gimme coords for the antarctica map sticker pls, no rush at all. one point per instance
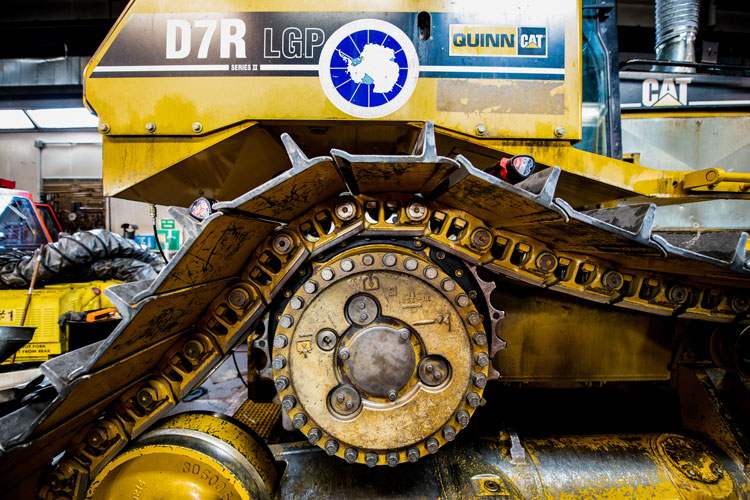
(368, 68)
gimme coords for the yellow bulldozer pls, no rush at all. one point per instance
(445, 297)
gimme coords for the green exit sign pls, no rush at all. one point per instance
(167, 223)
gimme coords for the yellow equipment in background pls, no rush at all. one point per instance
(394, 180)
(47, 304)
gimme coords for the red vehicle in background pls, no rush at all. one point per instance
(24, 225)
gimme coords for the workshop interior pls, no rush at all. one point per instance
(423, 249)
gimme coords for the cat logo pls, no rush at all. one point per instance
(532, 41)
(494, 41)
(668, 93)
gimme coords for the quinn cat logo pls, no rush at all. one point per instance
(497, 41)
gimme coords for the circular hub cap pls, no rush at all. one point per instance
(381, 357)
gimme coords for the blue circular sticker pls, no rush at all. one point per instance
(368, 68)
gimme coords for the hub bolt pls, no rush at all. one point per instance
(462, 417)
(238, 298)
(480, 339)
(432, 445)
(288, 402)
(430, 272)
(286, 321)
(411, 264)
(481, 238)
(412, 454)
(278, 362)
(449, 433)
(331, 447)
(463, 300)
(448, 285)
(429, 368)
(351, 455)
(473, 318)
(371, 459)
(280, 341)
(368, 260)
(313, 436)
(327, 339)
(311, 287)
(392, 395)
(480, 380)
(344, 354)
(473, 399)
(391, 459)
(416, 211)
(299, 421)
(282, 244)
(345, 210)
(347, 265)
(297, 303)
(327, 274)
(482, 359)
(405, 335)
(389, 259)
(281, 383)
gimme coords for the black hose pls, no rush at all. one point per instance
(158, 244)
(239, 373)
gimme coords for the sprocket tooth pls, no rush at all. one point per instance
(495, 342)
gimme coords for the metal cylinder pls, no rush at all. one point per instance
(676, 32)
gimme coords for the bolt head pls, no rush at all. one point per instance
(345, 210)
(197, 127)
(347, 265)
(432, 445)
(463, 300)
(310, 287)
(482, 359)
(389, 259)
(473, 399)
(146, 396)
(350, 455)
(371, 459)
(404, 335)
(416, 211)
(480, 339)
(96, 437)
(326, 340)
(481, 238)
(280, 341)
(463, 418)
(480, 380)
(278, 362)
(327, 274)
(281, 383)
(449, 433)
(430, 272)
(299, 421)
(546, 262)
(411, 264)
(481, 129)
(286, 321)
(340, 398)
(104, 128)
(448, 285)
(678, 294)
(313, 436)
(151, 127)
(193, 350)
(368, 260)
(297, 303)
(559, 131)
(473, 318)
(238, 298)
(283, 243)
(613, 280)
(331, 447)
(344, 354)
(288, 402)
(392, 395)
(392, 459)
(412, 454)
